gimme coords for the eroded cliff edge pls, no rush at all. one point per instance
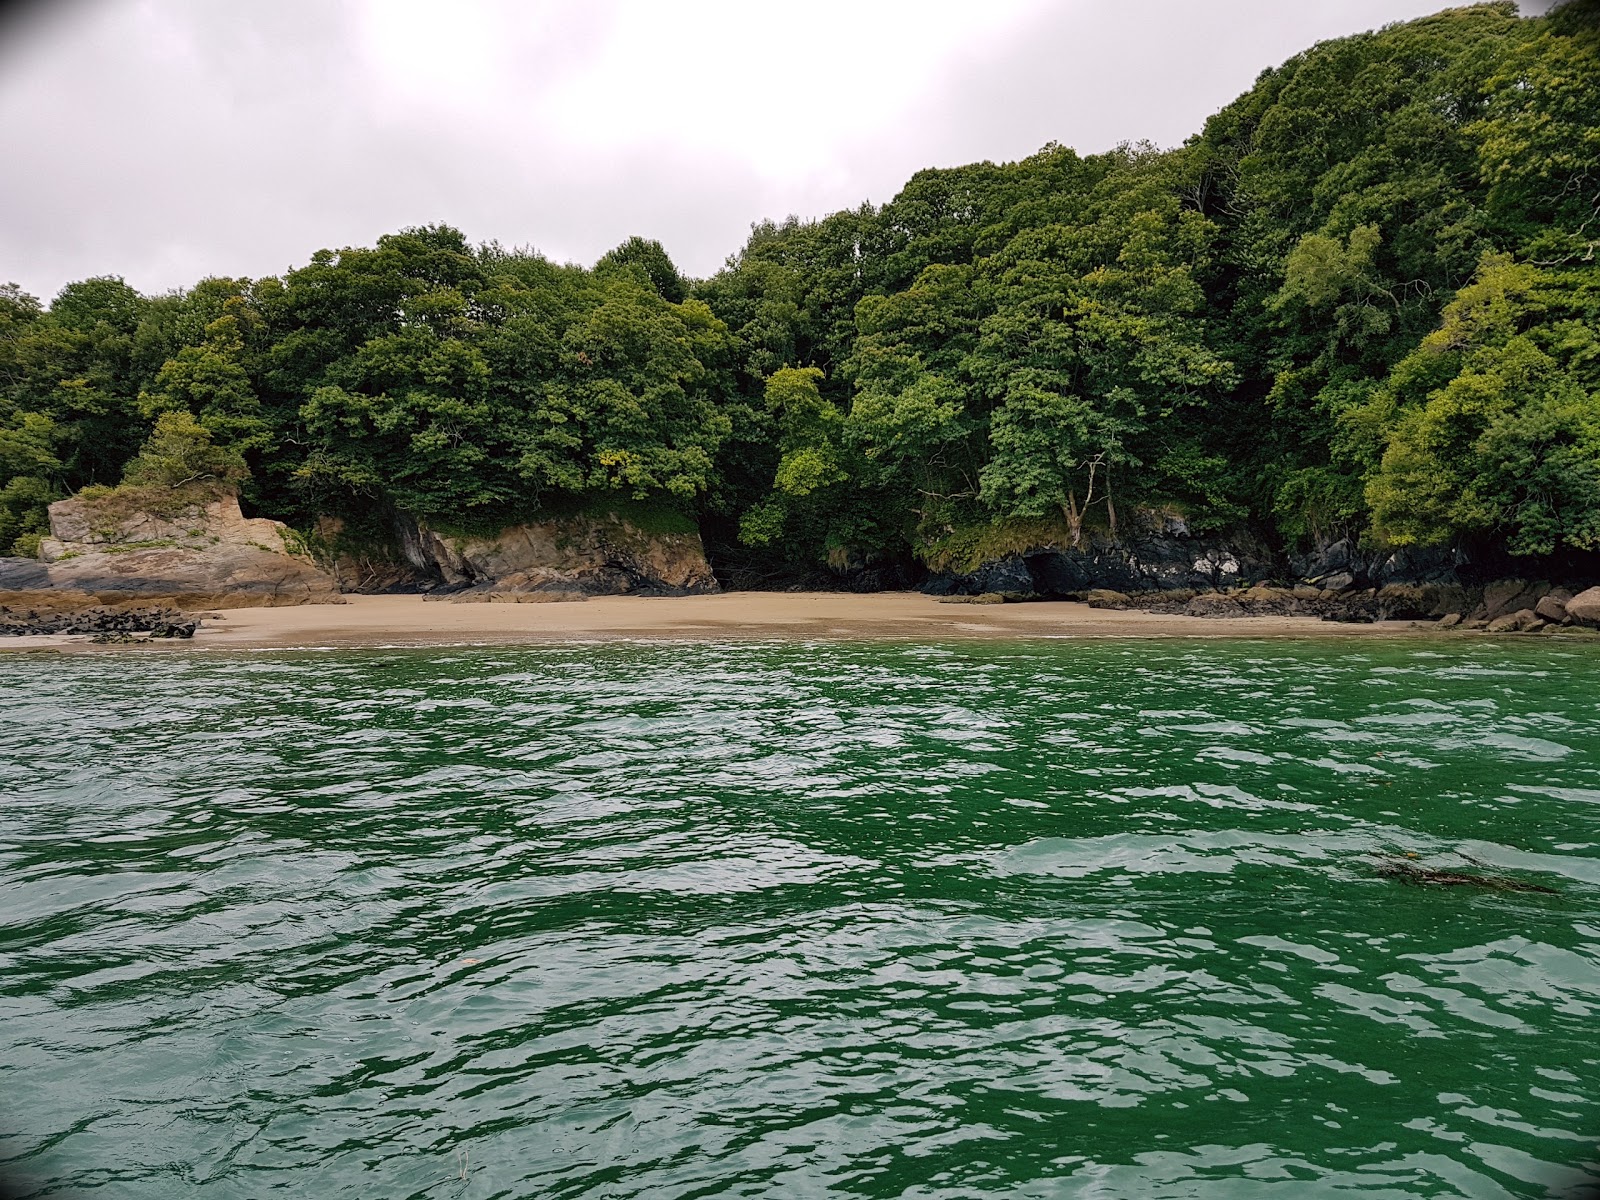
(195, 551)
(201, 551)
(564, 557)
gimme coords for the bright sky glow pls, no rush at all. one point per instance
(165, 140)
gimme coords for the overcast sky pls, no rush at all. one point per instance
(167, 140)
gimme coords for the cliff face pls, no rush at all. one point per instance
(202, 553)
(1156, 553)
(563, 557)
(1160, 567)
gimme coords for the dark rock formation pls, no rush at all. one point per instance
(1156, 558)
(1163, 569)
(108, 624)
(1008, 577)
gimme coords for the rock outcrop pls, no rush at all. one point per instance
(1584, 608)
(1160, 567)
(562, 557)
(199, 551)
(106, 624)
(1158, 555)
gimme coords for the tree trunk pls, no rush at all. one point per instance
(1111, 505)
(1074, 517)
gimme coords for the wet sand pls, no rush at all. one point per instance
(805, 616)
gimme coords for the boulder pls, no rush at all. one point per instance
(602, 553)
(1553, 605)
(1214, 604)
(1340, 581)
(195, 550)
(1106, 598)
(1415, 601)
(1505, 596)
(1262, 601)
(1521, 621)
(1584, 608)
(1450, 620)
(1352, 608)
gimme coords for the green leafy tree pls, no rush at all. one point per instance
(29, 471)
(811, 462)
(209, 381)
(1491, 428)
(650, 258)
(179, 453)
(1539, 138)
(1095, 341)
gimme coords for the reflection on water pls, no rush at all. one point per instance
(1068, 919)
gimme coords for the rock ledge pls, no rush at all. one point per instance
(197, 551)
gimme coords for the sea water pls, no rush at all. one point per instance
(1049, 919)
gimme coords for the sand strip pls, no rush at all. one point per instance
(905, 616)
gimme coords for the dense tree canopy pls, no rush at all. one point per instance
(1364, 299)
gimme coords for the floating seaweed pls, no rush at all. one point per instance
(1407, 870)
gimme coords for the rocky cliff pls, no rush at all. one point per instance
(1160, 567)
(562, 557)
(1156, 554)
(195, 551)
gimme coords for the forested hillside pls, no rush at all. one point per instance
(1364, 299)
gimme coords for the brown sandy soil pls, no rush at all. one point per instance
(905, 616)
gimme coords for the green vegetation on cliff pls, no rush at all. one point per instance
(1364, 299)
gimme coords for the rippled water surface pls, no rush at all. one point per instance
(1050, 920)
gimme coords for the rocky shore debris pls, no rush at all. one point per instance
(1160, 567)
(1396, 602)
(1504, 606)
(106, 624)
(1407, 869)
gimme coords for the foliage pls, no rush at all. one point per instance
(180, 452)
(1492, 425)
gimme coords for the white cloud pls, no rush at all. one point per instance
(165, 141)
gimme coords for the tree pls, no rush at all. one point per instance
(811, 463)
(1094, 342)
(179, 452)
(209, 381)
(1491, 428)
(29, 471)
(647, 256)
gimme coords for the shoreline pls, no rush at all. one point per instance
(401, 621)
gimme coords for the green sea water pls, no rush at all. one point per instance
(1049, 919)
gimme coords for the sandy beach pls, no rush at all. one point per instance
(418, 621)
